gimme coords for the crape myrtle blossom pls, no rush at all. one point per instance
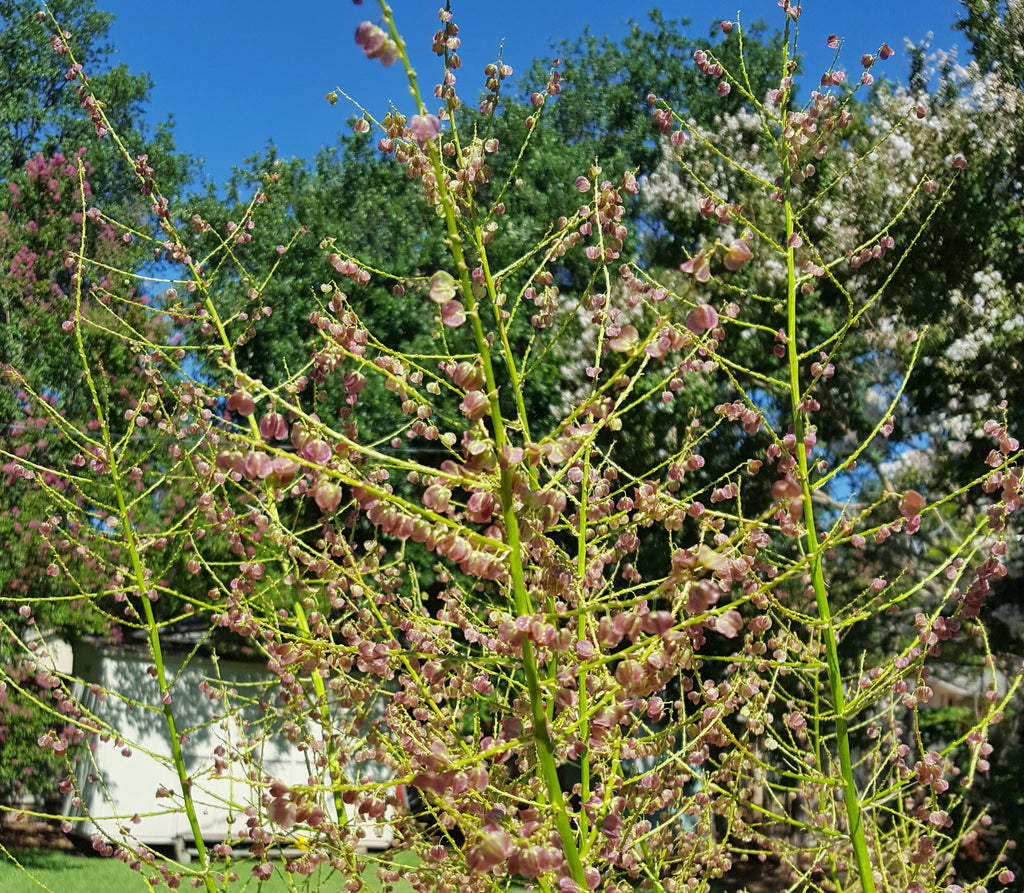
(981, 316)
(978, 116)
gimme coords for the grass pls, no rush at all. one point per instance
(30, 870)
(40, 870)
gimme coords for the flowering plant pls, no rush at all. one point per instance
(593, 672)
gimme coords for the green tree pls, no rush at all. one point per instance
(45, 123)
(57, 167)
(603, 114)
(307, 216)
(42, 111)
(595, 111)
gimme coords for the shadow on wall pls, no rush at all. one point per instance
(128, 788)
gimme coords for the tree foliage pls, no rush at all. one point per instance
(42, 111)
(55, 168)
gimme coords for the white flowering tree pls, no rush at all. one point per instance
(959, 290)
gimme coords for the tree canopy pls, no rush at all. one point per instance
(56, 167)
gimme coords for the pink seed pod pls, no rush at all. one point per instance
(442, 287)
(354, 382)
(478, 778)
(282, 813)
(469, 376)
(241, 402)
(626, 340)
(453, 314)
(318, 451)
(697, 265)
(436, 497)
(911, 504)
(376, 43)
(284, 470)
(736, 255)
(257, 466)
(786, 488)
(494, 847)
(475, 405)
(701, 318)
(274, 426)
(729, 624)
(425, 128)
(230, 460)
(480, 507)
(327, 496)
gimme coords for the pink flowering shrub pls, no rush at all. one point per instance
(53, 306)
(586, 675)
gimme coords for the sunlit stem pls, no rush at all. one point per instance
(523, 603)
(138, 571)
(828, 632)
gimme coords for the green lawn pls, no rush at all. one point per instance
(57, 872)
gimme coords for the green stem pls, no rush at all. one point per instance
(850, 800)
(581, 626)
(541, 735)
(141, 583)
(325, 711)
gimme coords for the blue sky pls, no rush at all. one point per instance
(236, 74)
